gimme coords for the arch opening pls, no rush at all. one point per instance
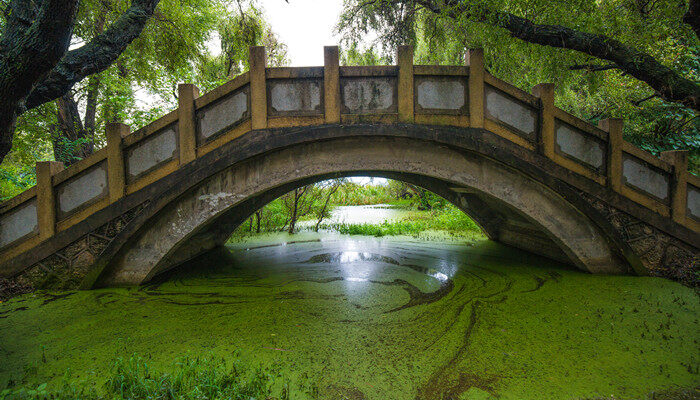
(509, 206)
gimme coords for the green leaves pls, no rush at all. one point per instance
(654, 28)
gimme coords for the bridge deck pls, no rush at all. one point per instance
(458, 96)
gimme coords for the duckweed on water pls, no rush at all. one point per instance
(368, 318)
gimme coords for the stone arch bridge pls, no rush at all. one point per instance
(533, 176)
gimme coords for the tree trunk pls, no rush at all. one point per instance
(293, 219)
(322, 213)
(91, 106)
(71, 142)
(93, 88)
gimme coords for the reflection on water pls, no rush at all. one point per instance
(368, 318)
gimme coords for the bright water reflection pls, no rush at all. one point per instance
(370, 214)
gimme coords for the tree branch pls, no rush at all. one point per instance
(34, 40)
(95, 56)
(668, 83)
(32, 43)
(692, 16)
(639, 102)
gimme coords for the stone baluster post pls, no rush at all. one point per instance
(614, 157)
(545, 91)
(46, 198)
(258, 89)
(115, 160)
(679, 185)
(475, 61)
(331, 84)
(405, 89)
(187, 127)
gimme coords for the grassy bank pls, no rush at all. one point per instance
(206, 377)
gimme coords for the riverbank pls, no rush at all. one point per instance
(327, 316)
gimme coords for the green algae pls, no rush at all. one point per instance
(374, 318)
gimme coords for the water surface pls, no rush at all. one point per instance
(368, 318)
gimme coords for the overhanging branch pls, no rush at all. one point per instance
(95, 56)
(668, 83)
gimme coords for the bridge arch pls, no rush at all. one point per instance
(493, 193)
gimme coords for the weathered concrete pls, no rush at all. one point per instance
(646, 241)
(294, 96)
(18, 223)
(222, 115)
(84, 189)
(638, 174)
(694, 201)
(157, 149)
(573, 143)
(441, 93)
(578, 238)
(187, 93)
(503, 108)
(368, 95)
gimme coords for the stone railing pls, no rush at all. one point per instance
(461, 96)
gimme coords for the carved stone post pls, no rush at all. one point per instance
(115, 160)
(614, 157)
(679, 186)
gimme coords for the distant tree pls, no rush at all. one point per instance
(331, 188)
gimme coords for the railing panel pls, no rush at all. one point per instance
(368, 95)
(222, 115)
(578, 145)
(151, 153)
(441, 95)
(295, 97)
(78, 192)
(507, 110)
(19, 223)
(642, 176)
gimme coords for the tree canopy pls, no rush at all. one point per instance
(634, 59)
(199, 41)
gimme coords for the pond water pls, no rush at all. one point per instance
(368, 318)
(374, 214)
